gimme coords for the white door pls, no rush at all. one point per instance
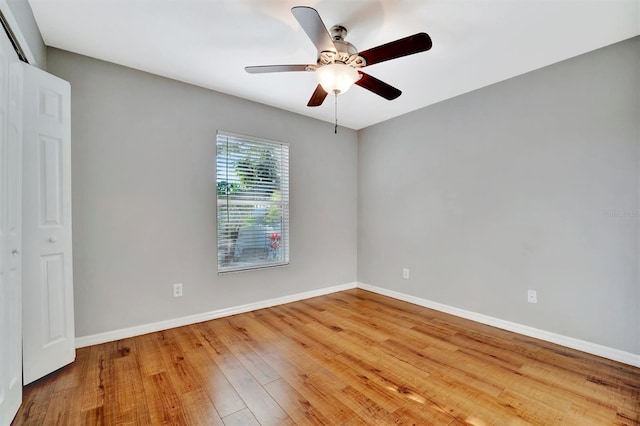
(10, 232)
(48, 328)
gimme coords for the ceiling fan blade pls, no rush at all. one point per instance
(318, 97)
(378, 87)
(405, 46)
(259, 69)
(310, 21)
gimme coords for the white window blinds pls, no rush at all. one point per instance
(252, 177)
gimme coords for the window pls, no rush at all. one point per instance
(252, 177)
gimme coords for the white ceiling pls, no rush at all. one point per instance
(209, 42)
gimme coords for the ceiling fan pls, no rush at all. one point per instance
(339, 62)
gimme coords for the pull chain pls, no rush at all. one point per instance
(335, 95)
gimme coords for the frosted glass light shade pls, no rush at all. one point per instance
(336, 78)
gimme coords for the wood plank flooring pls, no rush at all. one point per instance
(349, 358)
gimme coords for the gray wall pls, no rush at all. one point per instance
(510, 188)
(22, 13)
(143, 166)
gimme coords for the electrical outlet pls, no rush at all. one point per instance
(405, 273)
(177, 290)
(532, 296)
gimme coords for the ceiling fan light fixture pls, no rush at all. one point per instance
(336, 78)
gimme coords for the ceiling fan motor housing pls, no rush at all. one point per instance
(346, 53)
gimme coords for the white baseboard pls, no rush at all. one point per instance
(570, 342)
(110, 336)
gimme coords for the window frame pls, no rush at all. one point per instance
(222, 237)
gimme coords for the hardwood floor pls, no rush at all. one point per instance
(349, 358)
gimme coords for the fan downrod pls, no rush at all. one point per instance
(338, 33)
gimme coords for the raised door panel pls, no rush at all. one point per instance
(49, 341)
(53, 306)
(51, 196)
